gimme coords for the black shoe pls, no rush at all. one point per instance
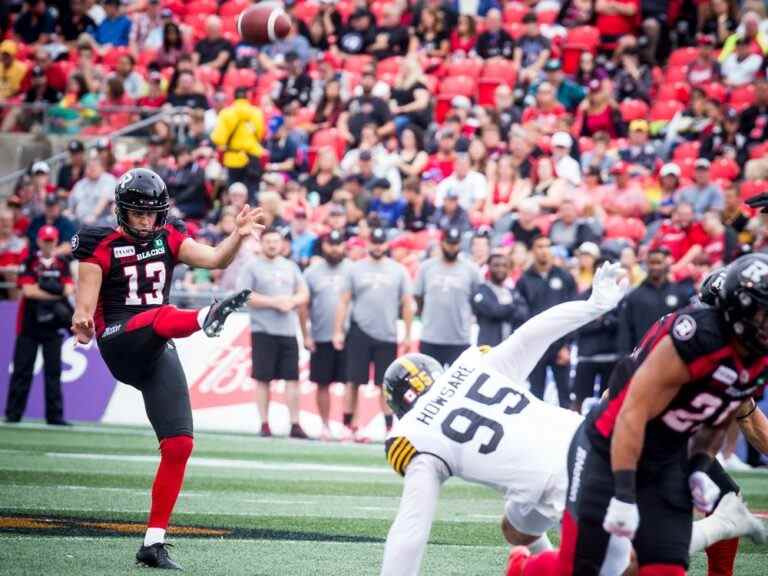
(12, 420)
(156, 556)
(298, 432)
(219, 311)
(58, 422)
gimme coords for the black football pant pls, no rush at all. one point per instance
(21, 380)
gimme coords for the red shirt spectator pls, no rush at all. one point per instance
(679, 233)
(547, 111)
(616, 18)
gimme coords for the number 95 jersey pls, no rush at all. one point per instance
(135, 276)
(489, 430)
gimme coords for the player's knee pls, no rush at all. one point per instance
(662, 570)
(515, 537)
(177, 448)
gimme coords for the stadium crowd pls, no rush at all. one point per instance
(621, 129)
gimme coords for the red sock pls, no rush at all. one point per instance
(174, 453)
(721, 557)
(662, 570)
(167, 321)
(544, 564)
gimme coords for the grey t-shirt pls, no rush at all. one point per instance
(325, 283)
(278, 277)
(446, 290)
(377, 288)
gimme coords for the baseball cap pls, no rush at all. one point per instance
(702, 163)
(167, 13)
(51, 200)
(334, 237)
(670, 169)
(589, 248)
(47, 233)
(452, 236)
(378, 183)
(237, 188)
(75, 146)
(641, 125)
(452, 193)
(562, 139)
(552, 65)
(365, 155)
(731, 114)
(461, 102)
(529, 18)
(157, 140)
(40, 167)
(378, 236)
(103, 144)
(595, 85)
(9, 47)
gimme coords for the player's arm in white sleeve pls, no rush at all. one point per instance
(519, 354)
(409, 533)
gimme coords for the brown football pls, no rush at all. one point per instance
(263, 23)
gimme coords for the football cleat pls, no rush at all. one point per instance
(214, 320)
(518, 558)
(266, 431)
(298, 432)
(156, 556)
(733, 513)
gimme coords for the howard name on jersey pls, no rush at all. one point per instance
(720, 382)
(135, 276)
(486, 429)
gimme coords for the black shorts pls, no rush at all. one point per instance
(144, 360)
(361, 351)
(327, 365)
(445, 354)
(663, 498)
(274, 357)
(586, 378)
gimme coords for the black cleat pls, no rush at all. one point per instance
(58, 422)
(219, 311)
(156, 556)
(12, 419)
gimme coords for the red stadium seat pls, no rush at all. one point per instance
(750, 188)
(687, 150)
(676, 74)
(207, 7)
(389, 65)
(471, 67)
(547, 16)
(759, 150)
(233, 7)
(458, 86)
(679, 91)
(209, 76)
(742, 96)
(687, 167)
(514, 12)
(240, 78)
(306, 11)
(633, 110)
(514, 29)
(146, 56)
(329, 137)
(683, 56)
(112, 55)
(665, 111)
(579, 39)
(716, 91)
(724, 169)
(378, 8)
(345, 8)
(357, 62)
(620, 227)
(586, 144)
(499, 68)
(178, 7)
(486, 91)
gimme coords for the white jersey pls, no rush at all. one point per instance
(487, 429)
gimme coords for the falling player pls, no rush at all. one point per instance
(475, 421)
(122, 299)
(642, 458)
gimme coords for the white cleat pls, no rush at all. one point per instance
(736, 517)
(735, 464)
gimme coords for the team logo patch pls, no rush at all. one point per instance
(725, 375)
(124, 251)
(744, 376)
(75, 242)
(684, 328)
(126, 179)
(672, 301)
(556, 284)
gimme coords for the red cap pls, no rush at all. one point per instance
(48, 232)
(620, 167)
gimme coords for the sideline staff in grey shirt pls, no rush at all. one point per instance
(444, 288)
(326, 281)
(377, 288)
(278, 290)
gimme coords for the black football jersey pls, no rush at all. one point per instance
(135, 276)
(720, 381)
(38, 270)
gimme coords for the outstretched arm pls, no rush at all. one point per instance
(519, 354)
(248, 222)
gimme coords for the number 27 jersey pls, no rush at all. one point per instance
(135, 276)
(486, 429)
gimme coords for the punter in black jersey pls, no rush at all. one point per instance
(122, 298)
(640, 461)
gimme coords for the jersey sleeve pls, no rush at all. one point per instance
(696, 335)
(399, 452)
(177, 233)
(26, 272)
(88, 246)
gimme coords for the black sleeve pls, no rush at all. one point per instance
(485, 303)
(86, 240)
(695, 333)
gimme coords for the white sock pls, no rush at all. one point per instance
(541, 544)
(201, 314)
(154, 536)
(706, 532)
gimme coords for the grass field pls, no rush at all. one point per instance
(74, 502)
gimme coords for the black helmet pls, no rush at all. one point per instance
(711, 289)
(141, 190)
(407, 378)
(743, 295)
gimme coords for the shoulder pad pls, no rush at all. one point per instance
(86, 240)
(178, 224)
(399, 452)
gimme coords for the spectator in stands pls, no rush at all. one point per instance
(329, 107)
(735, 215)
(52, 216)
(75, 23)
(589, 70)
(725, 140)
(173, 46)
(38, 92)
(568, 231)
(282, 148)
(616, 19)
(186, 94)
(213, 50)
(741, 66)
(587, 256)
(576, 13)
(296, 87)
(324, 179)
(598, 112)
(705, 68)
(36, 23)
(549, 189)
(55, 74)
(71, 172)
(495, 42)
(531, 50)
(470, 185)
(107, 156)
(391, 36)
(721, 21)
(566, 166)
(546, 112)
(186, 184)
(451, 214)
(703, 194)
(639, 149)
(680, 236)
(506, 187)
(302, 238)
(359, 33)
(13, 249)
(115, 29)
(411, 158)
(419, 210)
(480, 248)
(147, 29)
(385, 204)
(155, 96)
(317, 34)
(633, 78)
(133, 82)
(92, 196)
(114, 103)
(93, 73)
(625, 197)
(431, 37)
(754, 120)
(567, 92)
(366, 109)
(410, 102)
(524, 228)
(12, 70)
(748, 34)
(599, 157)
(669, 179)
(542, 286)
(505, 110)
(651, 300)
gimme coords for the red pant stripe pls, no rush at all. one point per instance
(569, 537)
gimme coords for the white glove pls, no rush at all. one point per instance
(621, 518)
(704, 491)
(609, 286)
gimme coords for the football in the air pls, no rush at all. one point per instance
(263, 23)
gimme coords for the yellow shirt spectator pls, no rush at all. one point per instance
(12, 71)
(238, 132)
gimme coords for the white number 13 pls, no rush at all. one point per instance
(153, 271)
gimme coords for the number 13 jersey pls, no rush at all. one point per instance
(487, 429)
(135, 276)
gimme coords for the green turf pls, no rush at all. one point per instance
(286, 507)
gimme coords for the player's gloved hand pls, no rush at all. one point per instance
(621, 518)
(704, 491)
(609, 286)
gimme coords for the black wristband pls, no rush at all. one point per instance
(624, 485)
(748, 414)
(700, 462)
